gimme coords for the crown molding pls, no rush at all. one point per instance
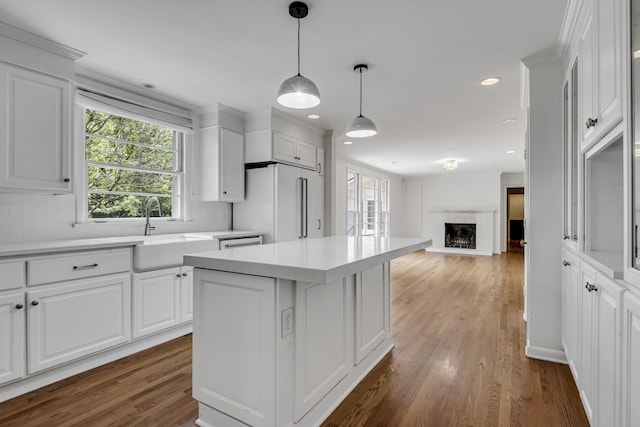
(31, 39)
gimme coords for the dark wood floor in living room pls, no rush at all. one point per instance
(458, 361)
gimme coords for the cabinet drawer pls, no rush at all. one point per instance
(77, 266)
(12, 274)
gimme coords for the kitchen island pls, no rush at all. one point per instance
(283, 332)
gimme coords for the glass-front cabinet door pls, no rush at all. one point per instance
(571, 155)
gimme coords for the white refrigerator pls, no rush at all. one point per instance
(284, 202)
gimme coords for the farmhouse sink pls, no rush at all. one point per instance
(167, 250)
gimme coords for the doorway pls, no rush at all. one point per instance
(515, 218)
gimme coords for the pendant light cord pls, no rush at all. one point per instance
(360, 92)
(298, 46)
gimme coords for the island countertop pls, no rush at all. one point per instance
(320, 260)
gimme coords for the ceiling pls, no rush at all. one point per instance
(426, 60)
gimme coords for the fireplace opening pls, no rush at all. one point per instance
(459, 235)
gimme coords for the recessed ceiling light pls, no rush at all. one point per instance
(490, 81)
(348, 142)
(450, 165)
(148, 86)
(313, 116)
(509, 120)
(511, 152)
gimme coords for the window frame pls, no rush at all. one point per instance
(180, 177)
(380, 204)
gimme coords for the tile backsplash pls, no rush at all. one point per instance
(35, 217)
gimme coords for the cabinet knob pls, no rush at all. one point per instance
(184, 274)
(565, 237)
(224, 192)
(178, 275)
(591, 122)
(67, 180)
(19, 306)
(566, 263)
(35, 302)
(591, 287)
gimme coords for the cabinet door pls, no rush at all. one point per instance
(284, 148)
(70, 321)
(608, 64)
(587, 340)
(186, 299)
(315, 204)
(231, 166)
(587, 82)
(156, 300)
(571, 293)
(36, 131)
(323, 344)
(631, 361)
(12, 332)
(306, 155)
(608, 347)
(320, 161)
(372, 296)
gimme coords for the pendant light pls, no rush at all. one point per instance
(361, 126)
(298, 91)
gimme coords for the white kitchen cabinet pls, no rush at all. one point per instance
(12, 337)
(293, 150)
(161, 299)
(75, 319)
(36, 123)
(320, 161)
(186, 298)
(587, 340)
(571, 293)
(221, 165)
(631, 361)
(371, 314)
(315, 204)
(608, 335)
(600, 66)
(323, 353)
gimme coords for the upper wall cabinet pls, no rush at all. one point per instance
(268, 146)
(221, 165)
(600, 66)
(35, 143)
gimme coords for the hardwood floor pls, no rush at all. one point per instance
(458, 361)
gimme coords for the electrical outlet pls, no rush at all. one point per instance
(287, 322)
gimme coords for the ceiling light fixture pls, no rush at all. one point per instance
(509, 120)
(511, 152)
(298, 91)
(348, 142)
(313, 116)
(361, 126)
(490, 81)
(450, 165)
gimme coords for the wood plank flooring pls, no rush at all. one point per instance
(458, 361)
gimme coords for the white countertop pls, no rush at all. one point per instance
(49, 246)
(320, 260)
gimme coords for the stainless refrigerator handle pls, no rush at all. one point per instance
(306, 207)
(301, 235)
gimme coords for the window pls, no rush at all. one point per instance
(127, 162)
(367, 205)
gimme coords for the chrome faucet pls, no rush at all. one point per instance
(148, 227)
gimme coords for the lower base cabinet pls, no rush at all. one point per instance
(631, 361)
(161, 299)
(12, 337)
(68, 321)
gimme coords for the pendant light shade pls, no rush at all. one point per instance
(298, 91)
(361, 126)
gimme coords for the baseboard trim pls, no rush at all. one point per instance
(546, 354)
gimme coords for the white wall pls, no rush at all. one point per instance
(396, 197)
(414, 217)
(462, 192)
(507, 180)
